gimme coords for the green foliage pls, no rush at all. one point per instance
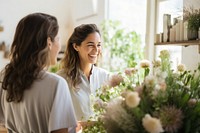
(124, 46)
(193, 18)
(54, 68)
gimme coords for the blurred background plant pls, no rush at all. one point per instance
(122, 48)
(54, 68)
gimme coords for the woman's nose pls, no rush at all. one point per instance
(96, 48)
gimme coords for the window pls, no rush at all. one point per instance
(132, 17)
(132, 14)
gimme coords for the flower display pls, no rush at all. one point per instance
(158, 101)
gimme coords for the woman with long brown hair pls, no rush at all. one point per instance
(84, 78)
(33, 100)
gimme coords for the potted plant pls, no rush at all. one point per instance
(192, 16)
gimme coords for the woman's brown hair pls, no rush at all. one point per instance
(29, 53)
(71, 61)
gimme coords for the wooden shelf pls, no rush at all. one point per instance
(181, 43)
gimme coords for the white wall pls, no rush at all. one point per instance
(191, 57)
(88, 11)
(11, 11)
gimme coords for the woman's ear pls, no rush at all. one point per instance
(75, 47)
(49, 42)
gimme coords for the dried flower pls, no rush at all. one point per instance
(116, 118)
(152, 125)
(130, 71)
(150, 81)
(115, 80)
(171, 118)
(181, 67)
(132, 99)
(145, 64)
(192, 102)
(157, 63)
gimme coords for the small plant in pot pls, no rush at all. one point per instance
(193, 17)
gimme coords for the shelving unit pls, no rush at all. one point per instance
(181, 43)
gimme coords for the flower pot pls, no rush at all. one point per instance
(192, 34)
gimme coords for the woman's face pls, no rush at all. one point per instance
(54, 50)
(89, 49)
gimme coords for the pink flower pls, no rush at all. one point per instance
(130, 71)
(115, 80)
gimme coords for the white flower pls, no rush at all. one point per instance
(152, 125)
(132, 99)
(181, 67)
(145, 64)
(150, 81)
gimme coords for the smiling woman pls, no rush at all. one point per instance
(83, 77)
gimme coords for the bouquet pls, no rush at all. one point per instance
(144, 101)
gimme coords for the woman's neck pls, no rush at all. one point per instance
(86, 68)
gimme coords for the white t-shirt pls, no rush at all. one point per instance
(46, 106)
(81, 95)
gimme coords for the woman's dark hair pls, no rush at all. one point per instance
(71, 60)
(29, 53)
